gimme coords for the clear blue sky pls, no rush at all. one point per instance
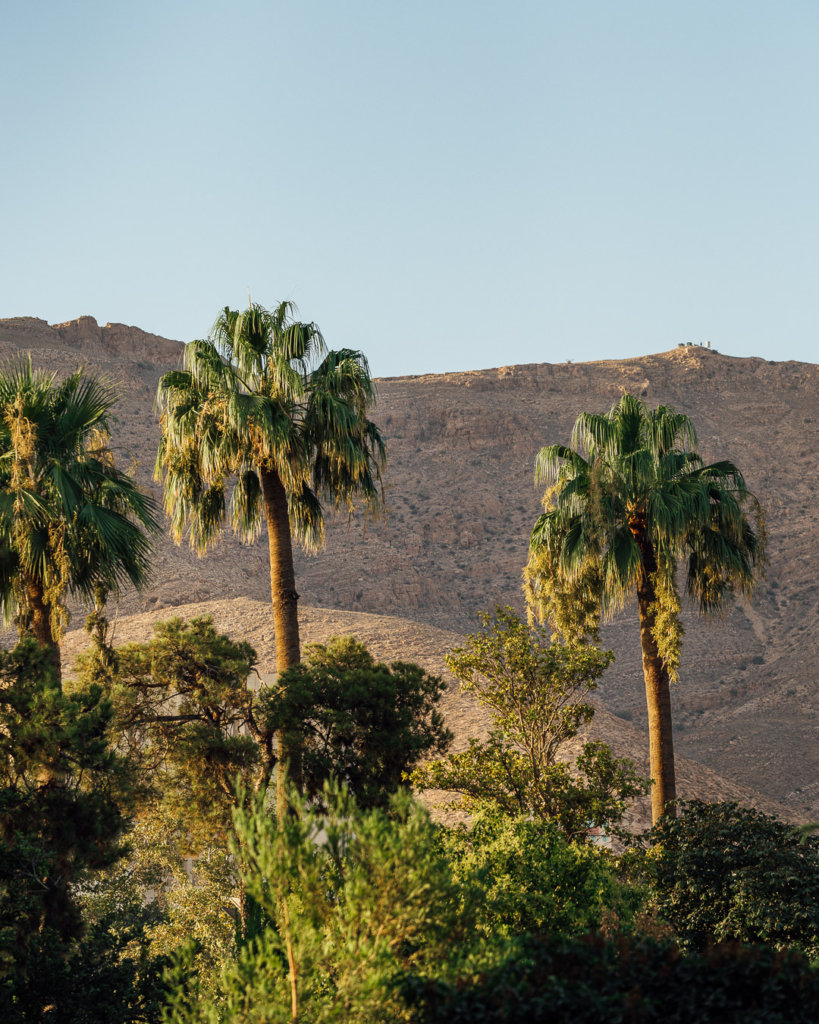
(446, 185)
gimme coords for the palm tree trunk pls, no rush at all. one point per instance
(41, 626)
(285, 609)
(288, 653)
(658, 689)
(282, 575)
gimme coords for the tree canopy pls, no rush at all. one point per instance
(71, 523)
(536, 692)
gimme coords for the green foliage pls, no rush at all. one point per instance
(668, 630)
(535, 881)
(570, 604)
(534, 689)
(361, 895)
(193, 728)
(360, 721)
(623, 981)
(103, 977)
(62, 789)
(186, 718)
(721, 871)
(185, 713)
(63, 798)
(263, 394)
(173, 899)
(69, 519)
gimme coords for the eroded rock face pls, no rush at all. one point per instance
(86, 337)
(462, 501)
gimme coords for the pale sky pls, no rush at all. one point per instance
(445, 185)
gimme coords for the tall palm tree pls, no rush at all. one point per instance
(629, 500)
(71, 524)
(263, 403)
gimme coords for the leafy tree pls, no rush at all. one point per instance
(360, 721)
(186, 713)
(64, 797)
(187, 720)
(70, 522)
(626, 502)
(362, 896)
(262, 401)
(721, 871)
(535, 881)
(535, 691)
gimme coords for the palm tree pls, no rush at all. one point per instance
(71, 524)
(627, 502)
(262, 402)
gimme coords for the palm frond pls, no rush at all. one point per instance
(246, 504)
(306, 518)
(552, 459)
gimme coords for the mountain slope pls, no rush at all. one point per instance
(462, 502)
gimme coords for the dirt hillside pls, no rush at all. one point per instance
(393, 639)
(462, 503)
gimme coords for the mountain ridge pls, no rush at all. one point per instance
(459, 487)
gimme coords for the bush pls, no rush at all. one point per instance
(362, 722)
(721, 871)
(535, 690)
(599, 981)
(536, 881)
(354, 898)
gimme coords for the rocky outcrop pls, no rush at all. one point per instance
(86, 338)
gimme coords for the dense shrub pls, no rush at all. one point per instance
(535, 881)
(64, 797)
(599, 981)
(355, 898)
(360, 721)
(721, 871)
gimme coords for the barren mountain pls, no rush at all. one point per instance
(462, 503)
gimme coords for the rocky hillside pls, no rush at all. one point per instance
(462, 502)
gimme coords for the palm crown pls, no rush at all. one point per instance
(70, 522)
(643, 493)
(263, 393)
